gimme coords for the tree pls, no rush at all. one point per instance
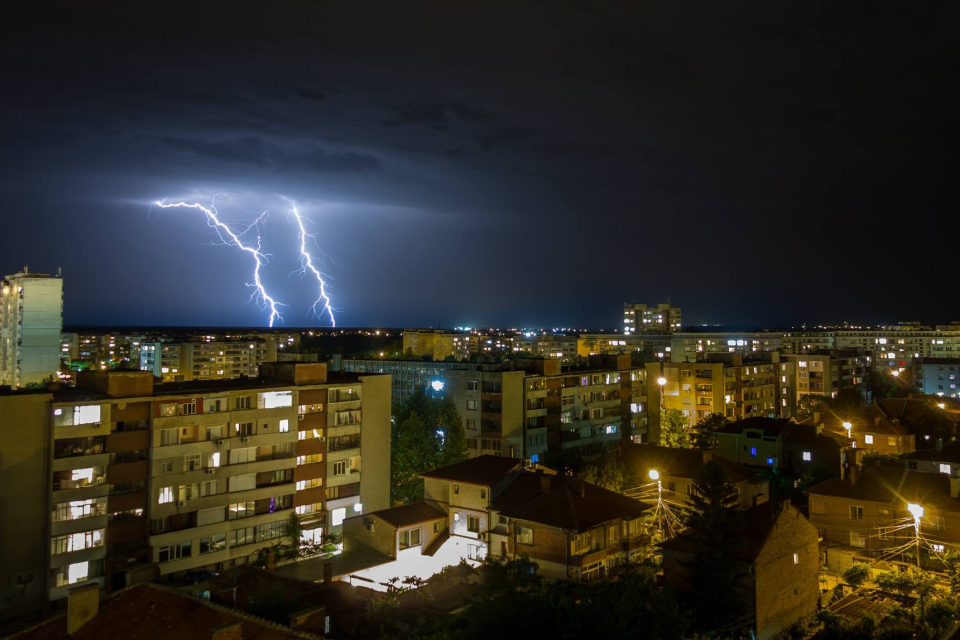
(427, 434)
(951, 563)
(705, 431)
(878, 384)
(809, 405)
(674, 431)
(857, 574)
(848, 401)
(716, 527)
(880, 459)
(607, 472)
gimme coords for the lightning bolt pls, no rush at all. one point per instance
(306, 264)
(231, 239)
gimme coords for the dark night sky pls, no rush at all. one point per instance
(498, 163)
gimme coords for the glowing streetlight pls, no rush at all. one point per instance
(894, 373)
(662, 381)
(917, 512)
(941, 405)
(848, 426)
(654, 474)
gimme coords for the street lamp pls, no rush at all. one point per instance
(917, 512)
(662, 381)
(655, 475)
(848, 426)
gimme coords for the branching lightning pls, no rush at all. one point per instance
(229, 238)
(306, 264)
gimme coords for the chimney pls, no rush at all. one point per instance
(854, 473)
(83, 603)
(816, 417)
(228, 631)
(876, 420)
(939, 444)
(271, 560)
(954, 487)
(327, 572)
(544, 483)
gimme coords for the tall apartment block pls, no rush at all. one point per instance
(144, 481)
(31, 318)
(826, 373)
(937, 376)
(640, 318)
(728, 384)
(529, 406)
(214, 360)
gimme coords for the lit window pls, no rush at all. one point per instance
(166, 495)
(945, 468)
(284, 426)
(806, 456)
(868, 439)
(753, 451)
(796, 558)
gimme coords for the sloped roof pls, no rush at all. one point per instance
(806, 434)
(409, 514)
(870, 420)
(758, 523)
(771, 427)
(639, 459)
(562, 505)
(337, 596)
(949, 453)
(485, 470)
(894, 486)
(907, 409)
(152, 612)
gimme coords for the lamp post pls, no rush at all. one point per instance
(655, 475)
(917, 512)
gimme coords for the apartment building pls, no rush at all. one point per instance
(640, 318)
(728, 384)
(31, 318)
(206, 360)
(153, 480)
(867, 514)
(937, 376)
(694, 346)
(826, 373)
(529, 406)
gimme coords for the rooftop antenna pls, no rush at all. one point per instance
(58, 273)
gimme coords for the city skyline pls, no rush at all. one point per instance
(538, 171)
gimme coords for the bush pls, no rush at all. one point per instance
(857, 574)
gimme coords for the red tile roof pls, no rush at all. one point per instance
(151, 612)
(485, 470)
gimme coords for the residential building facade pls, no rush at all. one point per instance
(31, 318)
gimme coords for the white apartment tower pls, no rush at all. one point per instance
(31, 319)
(640, 318)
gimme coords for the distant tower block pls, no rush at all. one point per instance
(641, 318)
(31, 319)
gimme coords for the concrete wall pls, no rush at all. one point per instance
(375, 443)
(25, 453)
(787, 574)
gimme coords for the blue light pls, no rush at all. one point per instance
(535, 458)
(769, 460)
(753, 451)
(437, 385)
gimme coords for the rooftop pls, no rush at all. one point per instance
(408, 514)
(485, 470)
(771, 427)
(758, 523)
(949, 453)
(557, 501)
(893, 486)
(152, 612)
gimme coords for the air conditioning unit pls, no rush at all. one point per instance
(181, 503)
(219, 443)
(210, 470)
(301, 417)
(244, 439)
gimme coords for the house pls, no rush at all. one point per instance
(465, 491)
(782, 581)
(943, 458)
(867, 514)
(870, 430)
(569, 528)
(921, 412)
(677, 469)
(781, 444)
(151, 612)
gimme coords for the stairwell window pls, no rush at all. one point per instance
(856, 513)
(524, 535)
